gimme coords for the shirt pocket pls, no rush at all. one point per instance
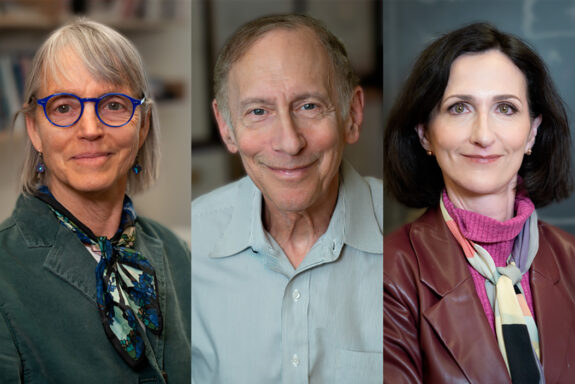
(359, 367)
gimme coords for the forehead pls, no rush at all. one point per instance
(67, 71)
(282, 58)
(489, 71)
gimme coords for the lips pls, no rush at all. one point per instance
(288, 169)
(291, 171)
(91, 159)
(90, 155)
(482, 159)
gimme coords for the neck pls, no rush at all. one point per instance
(99, 211)
(498, 206)
(297, 231)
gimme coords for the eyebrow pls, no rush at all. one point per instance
(268, 101)
(254, 100)
(470, 98)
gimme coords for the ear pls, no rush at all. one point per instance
(533, 132)
(420, 129)
(145, 128)
(355, 116)
(33, 134)
(226, 132)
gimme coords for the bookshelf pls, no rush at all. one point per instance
(161, 31)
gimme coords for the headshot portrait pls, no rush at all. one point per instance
(287, 259)
(92, 290)
(477, 143)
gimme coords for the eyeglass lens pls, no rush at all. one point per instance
(114, 110)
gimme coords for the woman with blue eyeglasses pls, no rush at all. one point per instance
(89, 291)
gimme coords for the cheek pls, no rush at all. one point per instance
(128, 138)
(252, 143)
(517, 141)
(326, 138)
(443, 141)
(54, 143)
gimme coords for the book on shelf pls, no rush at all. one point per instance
(13, 71)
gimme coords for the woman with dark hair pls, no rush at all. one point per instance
(477, 289)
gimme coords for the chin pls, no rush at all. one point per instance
(479, 189)
(95, 186)
(287, 203)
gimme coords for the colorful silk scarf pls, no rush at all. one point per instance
(517, 334)
(126, 283)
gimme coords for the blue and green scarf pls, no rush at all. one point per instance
(126, 285)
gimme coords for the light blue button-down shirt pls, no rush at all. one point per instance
(256, 319)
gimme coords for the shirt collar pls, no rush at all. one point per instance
(245, 222)
(354, 218)
(362, 229)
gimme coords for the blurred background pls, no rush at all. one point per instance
(548, 26)
(161, 31)
(357, 23)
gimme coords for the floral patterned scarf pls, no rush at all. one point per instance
(126, 285)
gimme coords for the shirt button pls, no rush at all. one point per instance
(295, 360)
(296, 295)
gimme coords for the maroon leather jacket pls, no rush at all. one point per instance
(435, 330)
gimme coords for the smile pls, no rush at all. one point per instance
(483, 159)
(91, 158)
(290, 172)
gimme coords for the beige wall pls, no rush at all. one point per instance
(166, 51)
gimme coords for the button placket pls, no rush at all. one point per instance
(295, 338)
(296, 295)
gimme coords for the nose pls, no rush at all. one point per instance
(482, 131)
(89, 126)
(287, 135)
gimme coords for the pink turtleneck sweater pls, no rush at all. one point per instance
(495, 237)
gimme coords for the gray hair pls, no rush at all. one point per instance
(109, 57)
(344, 81)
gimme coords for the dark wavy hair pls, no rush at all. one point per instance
(415, 179)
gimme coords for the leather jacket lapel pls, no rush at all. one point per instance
(553, 311)
(457, 317)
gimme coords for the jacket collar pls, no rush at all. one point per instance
(66, 256)
(458, 310)
(458, 313)
(554, 312)
(355, 200)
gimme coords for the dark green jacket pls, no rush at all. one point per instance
(50, 328)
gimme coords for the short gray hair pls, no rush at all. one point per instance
(345, 79)
(109, 57)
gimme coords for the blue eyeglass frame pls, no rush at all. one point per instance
(96, 101)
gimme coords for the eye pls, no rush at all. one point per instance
(63, 105)
(506, 109)
(64, 108)
(114, 104)
(309, 110)
(255, 115)
(458, 108)
(258, 111)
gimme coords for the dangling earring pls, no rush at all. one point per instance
(528, 153)
(137, 168)
(40, 166)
